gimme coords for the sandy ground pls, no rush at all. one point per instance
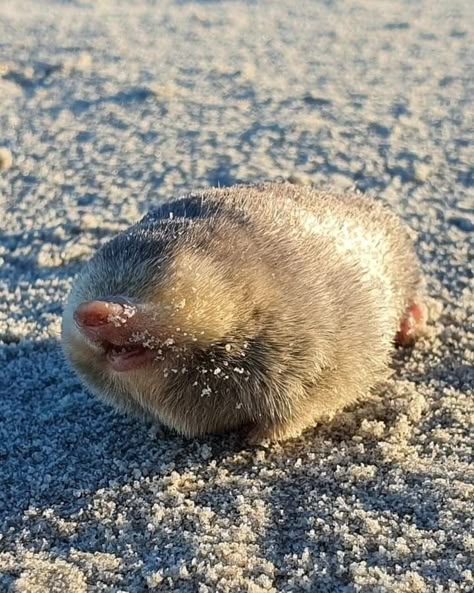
(107, 107)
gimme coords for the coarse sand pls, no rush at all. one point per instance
(107, 107)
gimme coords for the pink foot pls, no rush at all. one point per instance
(413, 325)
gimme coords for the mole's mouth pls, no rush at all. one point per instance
(128, 357)
(110, 325)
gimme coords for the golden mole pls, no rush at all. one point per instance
(268, 307)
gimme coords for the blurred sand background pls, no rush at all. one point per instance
(107, 107)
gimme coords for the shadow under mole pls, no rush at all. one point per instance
(56, 436)
(60, 446)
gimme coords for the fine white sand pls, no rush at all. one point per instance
(107, 107)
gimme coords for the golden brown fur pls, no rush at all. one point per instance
(271, 306)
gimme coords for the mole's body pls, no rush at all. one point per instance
(268, 306)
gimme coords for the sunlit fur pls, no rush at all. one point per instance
(273, 306)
